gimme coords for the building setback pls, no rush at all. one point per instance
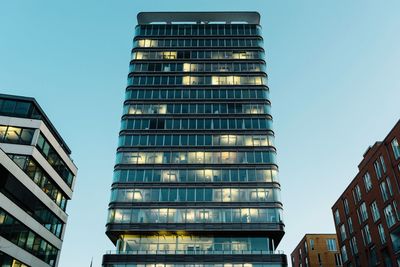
(316, 250)
(37, 177)
(366, 215)
(195, 181)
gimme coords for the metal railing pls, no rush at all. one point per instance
(195, 252)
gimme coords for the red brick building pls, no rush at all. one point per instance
(316, 250)
(367, 214)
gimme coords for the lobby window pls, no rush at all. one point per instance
(331, 244)
(367, 182)
(375, 211)
(389, 215)
(381, 233)
(396, 148)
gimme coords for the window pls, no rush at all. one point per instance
(312, 244)
(396, 210)
(395, 237)
(191, 215)
(344, 253)
(363, 212)
(375, 211)
(382, 234)
(384, 191)
(343, 235)
(378, 169)
(346, 206)
(382, 161)
(337, 217)
(396, 148)
(196, 175)
(367, 182)
(41, 179)
(389, 185)
(366, 235)
(338, 260)
(24, 238)
(51, 155)
(16, 135)
(331, 244)
(305, 247)
(350, 224)
(357, 194)
(373, 257)
(389, 215)
(353, 245)
(192, 194)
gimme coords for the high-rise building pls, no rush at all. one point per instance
(37, 177)
(316, 250)
(367, 215)
(195, 181)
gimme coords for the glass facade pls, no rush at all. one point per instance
(55, 160)
(41, 179)
(196, 151)
(36, 181)
(16, 135)
(26, 200)
(17, 233)
(7, 261)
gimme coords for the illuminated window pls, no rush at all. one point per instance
(169, 55)
(147, 43)
(186, 67)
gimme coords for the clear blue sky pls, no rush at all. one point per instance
(333, 72)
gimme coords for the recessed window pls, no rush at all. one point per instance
(390, 217)
(375, 211)
(331, 244)
(396, 148)
(367, 182)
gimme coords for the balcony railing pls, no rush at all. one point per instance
(195, 252)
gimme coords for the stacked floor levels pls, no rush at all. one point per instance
(367, 214)
(316, 250)
(195, 180)
(36, 181)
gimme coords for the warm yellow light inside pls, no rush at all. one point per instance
(186, 67)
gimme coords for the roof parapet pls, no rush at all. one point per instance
(248, 17)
